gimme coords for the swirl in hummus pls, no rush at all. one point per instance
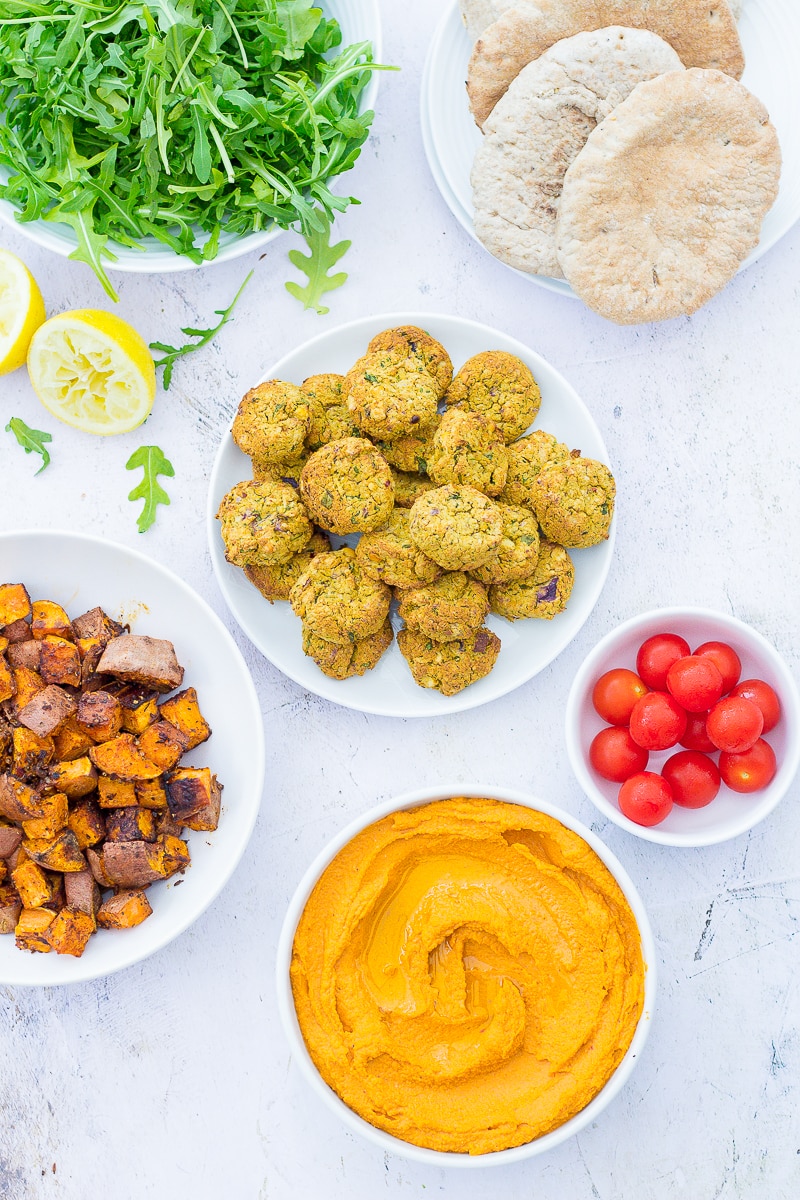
(467, 975)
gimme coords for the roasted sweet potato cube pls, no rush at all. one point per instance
(71, 740)
(121, 758)
(59, 661)
(139, 707)
(115, 793)
(183, 711)
(77, 777)
(96, 625)
(70, 931)
(163, 743)
(131, 825)
(34, 887)
(140, 659)
(10, 838)
(10, 908)
(124, 910)
(24, 654)
(32, 754)
(176, 852)
(32, 929)
(53, 820)
(95, 860)
(87, 822)
(166, 824)
(135, 864)
(18, 801)
(100, 714)
(151, 793)
(61, 853)
(49, 618)
(192, 790)
(7, 685)
(18, 631)
(207, 817)
(15, 603)
(16, 857)
(27, 684)
(47, 710)
(81, 891)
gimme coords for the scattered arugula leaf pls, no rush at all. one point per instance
(204, 336)
(31, 440)
(316, 265)
(153, 462)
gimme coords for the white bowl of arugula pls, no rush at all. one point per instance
(157, 137)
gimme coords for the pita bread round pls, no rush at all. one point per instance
(667, 197)
(540, 125)
(477, 15)
(702, 34)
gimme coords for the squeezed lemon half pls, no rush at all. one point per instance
(92, 370)
(21, 311)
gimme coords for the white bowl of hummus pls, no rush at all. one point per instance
(466, 978)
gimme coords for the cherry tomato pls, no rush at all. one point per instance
(725, 659)
(764, 697)
(656, 656)
(615, 694)
(749, 771)
(693, 777)
(696, 737)
(615, 755)
(695, 682)
(645, 798)
(657, 721)
(734, 724)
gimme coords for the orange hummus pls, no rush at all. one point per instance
(467, 975)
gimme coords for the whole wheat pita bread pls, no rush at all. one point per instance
(540, 125)
(667, 197)
(703, 34)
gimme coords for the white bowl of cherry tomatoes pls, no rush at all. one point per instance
(683, 726)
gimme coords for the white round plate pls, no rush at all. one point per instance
(389, 689)
(360, 22)
(80, 572)
(770, 33)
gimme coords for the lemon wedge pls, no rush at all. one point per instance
(92, 370)
(21, 311)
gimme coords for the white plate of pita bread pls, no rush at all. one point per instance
(769, 32)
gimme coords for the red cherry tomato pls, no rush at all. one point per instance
(693, 777)
(656, 656)
(615, 755)
(696, 737)
(734, 724)
(725, 659)
(645, 798)
(750, 771)
(615, 694)
(657, 721)
(695, 682)
(764, 697)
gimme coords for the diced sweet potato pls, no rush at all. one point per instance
(139, 707)
(47, 711)
(81, 891)
(53, 820)
(7, 685)
(135, 864)
(59, 661)
(18, 631)
(183, 711)
(193, 791)
(115, 793)
(97, 626)
(140, 659)
(151, 793)
(77, 777)
(95, 860)
(10, 838)
(32, 929)
(163, 743)
(25, 654)
(166, 824)
(100, 714)
(70, 931)
(10, 908)
(34, 888)
(61, 853)
(18, 801)
(32, 754)
(27, 684)
(121, 758)
(207, 817)
(131, 825)
(71, 740)
(87, 822)
(15, 603)
(48, 618)
(124, 910)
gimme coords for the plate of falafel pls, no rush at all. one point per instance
(412, 514)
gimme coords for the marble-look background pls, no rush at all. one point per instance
(173, 1079)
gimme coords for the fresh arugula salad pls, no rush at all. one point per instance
(177, 120)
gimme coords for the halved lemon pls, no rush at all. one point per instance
(92, 370)
(21, 311)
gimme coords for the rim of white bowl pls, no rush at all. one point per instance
(386, 1141)
(790, 703)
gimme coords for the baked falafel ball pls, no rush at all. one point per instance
(409, 486)
(277, 580)
(271, 422)
(516, 554)
(454, 606)
(337, 601)
(574, 501)
(329, 424)
(411, 452)
(449, 667)
(390, 554)
(344, 661)
(543, 594)
(262, 523)
(457, 527)
(418, 343)
(501, 387)
(390, 394)
(347, 486)
(468, 448)
(327, 389)
(526, 458)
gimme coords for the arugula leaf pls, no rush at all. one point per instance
(316, 265)
(204, 336)
(31, 440)
(154, 463)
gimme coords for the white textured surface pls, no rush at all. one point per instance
(173, 1079)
